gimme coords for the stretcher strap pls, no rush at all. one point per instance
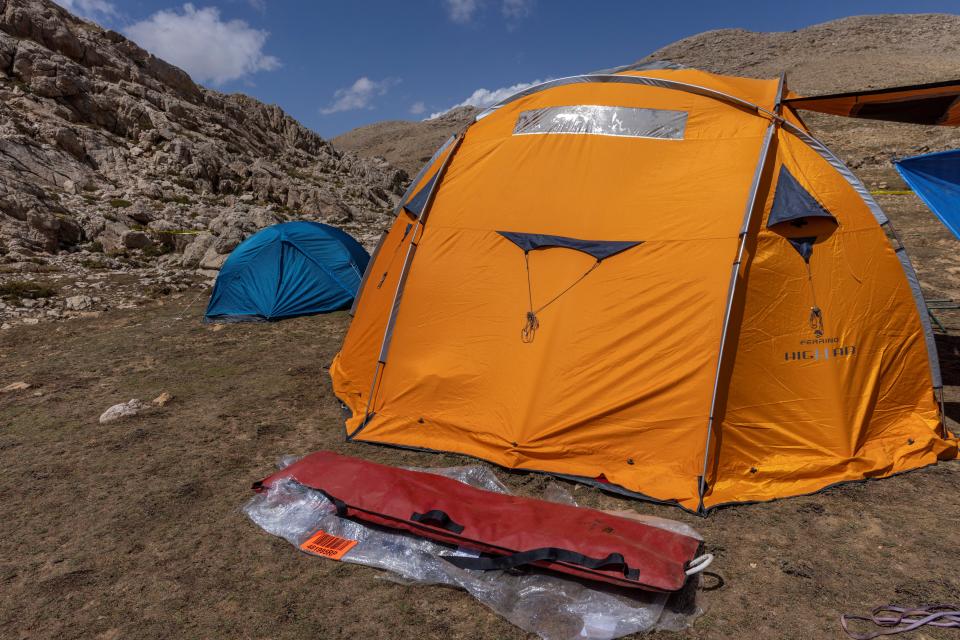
(551, 554)
(892, 619)
(437, 518)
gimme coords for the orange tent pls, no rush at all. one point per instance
(934, 103)
(655, 281)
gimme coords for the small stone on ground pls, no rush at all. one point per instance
(122, 410)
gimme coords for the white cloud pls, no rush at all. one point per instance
(90, 8)
(417, 108)
(205, 46)
(485, 97)
(464, 11)
(258, 5)
(516, 10)
(461, 11)
(359, 95)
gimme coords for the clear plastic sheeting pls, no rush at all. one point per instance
(630, 122)
(552, 607)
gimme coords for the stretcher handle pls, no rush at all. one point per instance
(545, 554)
(437, 518)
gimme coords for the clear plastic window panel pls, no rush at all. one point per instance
(630, 122)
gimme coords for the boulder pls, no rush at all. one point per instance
(122, 410)
(136, 240)
(194, 253)
(78, 303)
(212, 259)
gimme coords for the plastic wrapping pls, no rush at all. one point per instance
(552, 607)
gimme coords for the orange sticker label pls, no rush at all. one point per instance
(327, 545)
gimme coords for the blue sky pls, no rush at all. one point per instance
(338, 64)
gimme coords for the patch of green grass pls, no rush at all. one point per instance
(96, 246)
(93, 263)
(178, 199)
(16, 290)
(120, 203)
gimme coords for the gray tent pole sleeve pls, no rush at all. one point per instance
(366, 272)
(411, 251)
(663, 83)
(401, 281)
(751, 206)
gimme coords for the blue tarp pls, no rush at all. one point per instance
(290, 269)
(935, 177)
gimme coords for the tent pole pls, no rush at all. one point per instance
(751, 206)
(401, 281)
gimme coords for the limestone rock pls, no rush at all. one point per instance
(122, 410)
(99, 138)
(78, 303)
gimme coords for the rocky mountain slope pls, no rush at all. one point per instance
(404, 143)
(121, 179)
(112, 161)
(861, 52)
(850, 54)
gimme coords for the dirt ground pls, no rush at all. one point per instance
(134, 530)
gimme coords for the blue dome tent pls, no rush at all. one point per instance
(286, 270)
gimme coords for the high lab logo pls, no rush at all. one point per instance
(820, 353)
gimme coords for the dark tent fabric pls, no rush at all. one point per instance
(792, 203)
(936, 103)
(290, 269)
(935, 177)
(804, 246)
(599, 249)
(419, 201)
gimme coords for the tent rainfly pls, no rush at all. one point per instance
(286, 270)
(653, 281)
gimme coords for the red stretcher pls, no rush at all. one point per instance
(508, 531)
